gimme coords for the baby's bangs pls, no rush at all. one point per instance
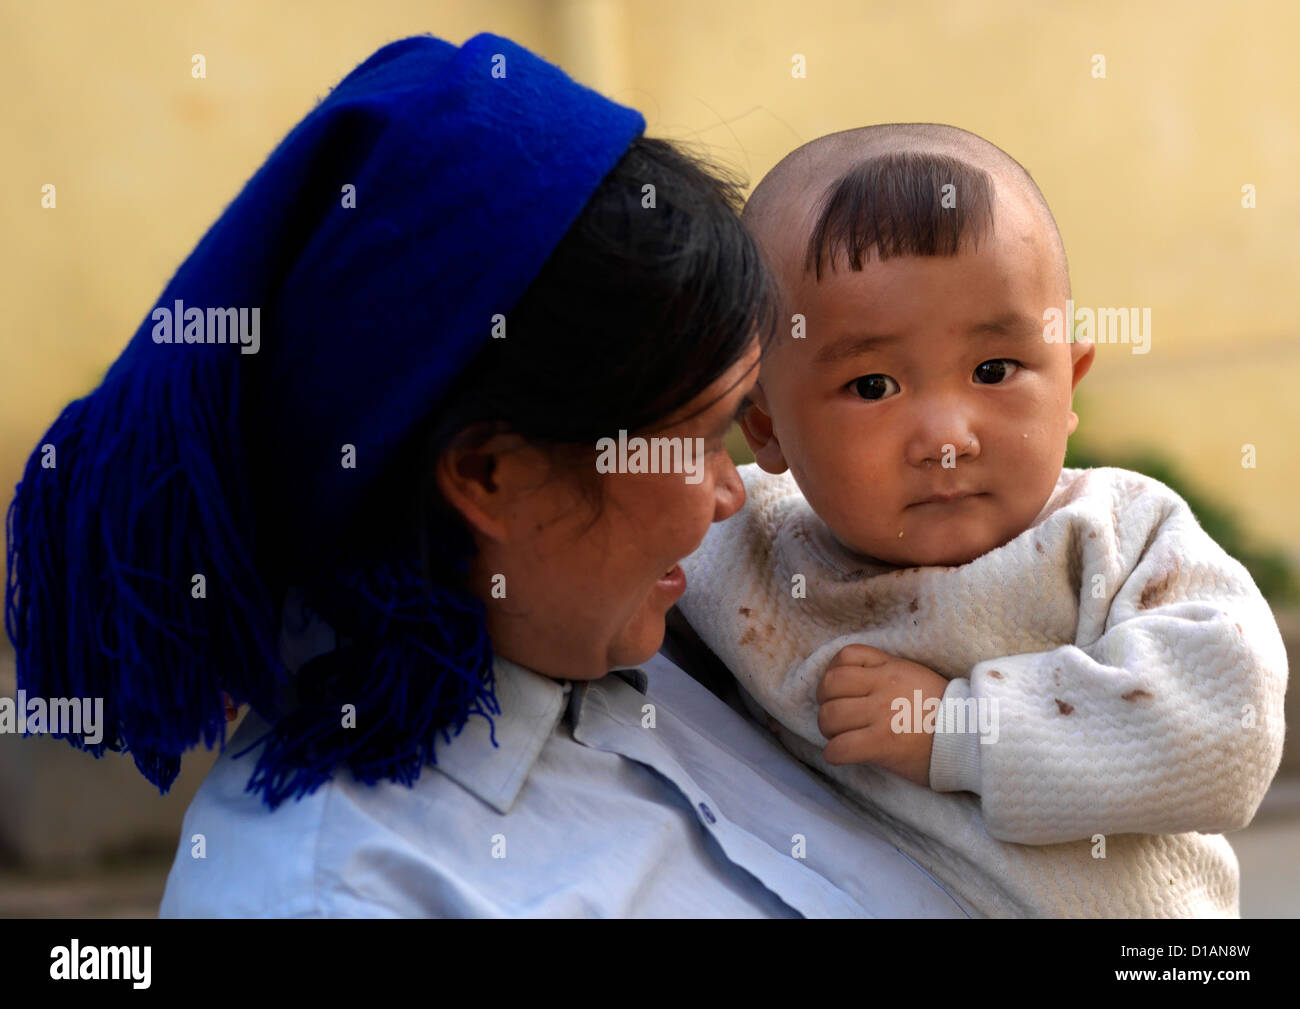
(901, 204)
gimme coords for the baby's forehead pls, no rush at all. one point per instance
(838, 205)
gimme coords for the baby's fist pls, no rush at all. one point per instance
(857, 697)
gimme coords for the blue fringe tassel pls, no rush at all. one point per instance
(102, 550)
(162, 491)
(418, 663)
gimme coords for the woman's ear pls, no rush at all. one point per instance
(756, 424)
(479, 474)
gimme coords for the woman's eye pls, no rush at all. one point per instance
(995, 371)
(874, 386)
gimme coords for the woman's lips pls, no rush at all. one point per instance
(674, 582)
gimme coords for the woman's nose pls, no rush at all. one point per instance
(729, 491)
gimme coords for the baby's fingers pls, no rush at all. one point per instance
(846, 714)
(846, 681)
(857, 746)
(860, 655)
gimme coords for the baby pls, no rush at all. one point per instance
(926, 562)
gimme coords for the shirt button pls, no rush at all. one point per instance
(707, 813)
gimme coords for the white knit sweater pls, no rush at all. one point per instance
(1137, 672)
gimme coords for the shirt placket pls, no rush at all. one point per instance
(607, 717)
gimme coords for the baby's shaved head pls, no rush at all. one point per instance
(919, 401)
(881, 188)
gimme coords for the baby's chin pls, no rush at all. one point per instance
(924, 551)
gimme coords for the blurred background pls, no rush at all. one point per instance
(1164, 135)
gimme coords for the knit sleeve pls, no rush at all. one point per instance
(1165, 716)
(955, 756)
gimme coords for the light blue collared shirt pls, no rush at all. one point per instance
(640, 794)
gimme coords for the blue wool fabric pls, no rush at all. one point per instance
(367, 258)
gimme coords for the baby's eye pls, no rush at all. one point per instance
(995, 371)
(873, 387)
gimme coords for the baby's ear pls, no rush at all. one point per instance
(1081, 357)
(756, 424)
(1082, 354)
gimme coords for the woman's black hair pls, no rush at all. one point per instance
(655, 292)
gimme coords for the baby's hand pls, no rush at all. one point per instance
(856, 697)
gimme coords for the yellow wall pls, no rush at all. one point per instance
(1143, 169)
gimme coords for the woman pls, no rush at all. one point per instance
(386, 530)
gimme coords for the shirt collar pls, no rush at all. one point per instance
(532, 706)
(492, 762)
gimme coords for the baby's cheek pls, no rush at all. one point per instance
(1040, 468)
(862, 523)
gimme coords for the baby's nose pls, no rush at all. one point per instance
(944, 439)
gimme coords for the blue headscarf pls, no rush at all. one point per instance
(364, 263)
